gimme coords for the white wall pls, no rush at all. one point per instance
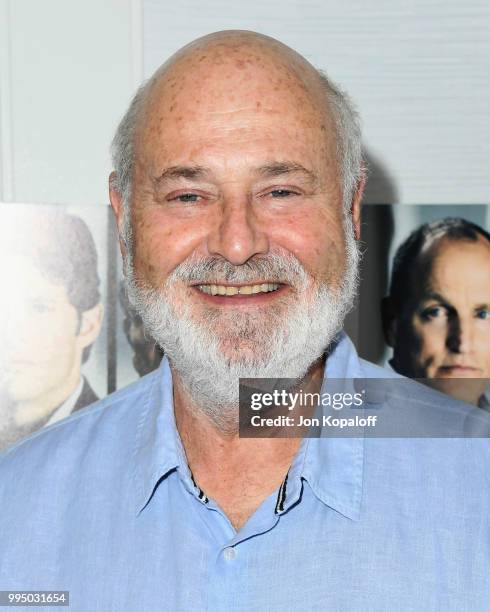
(418, 70)
(67, 70)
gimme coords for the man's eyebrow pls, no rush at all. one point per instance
(279, 168)
(187, 172)
(267, 171)
(433, 295)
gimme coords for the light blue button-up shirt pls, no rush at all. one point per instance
(103, 505)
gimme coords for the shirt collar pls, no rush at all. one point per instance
(333, 467)
(158, 448)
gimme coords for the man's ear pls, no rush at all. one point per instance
(115, 198)
(90, 324)
(117, 206)
(356, 202)
(389, 321)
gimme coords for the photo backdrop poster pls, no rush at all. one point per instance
(69, 335)
(428, 317)
(53, 326)
(384, 228)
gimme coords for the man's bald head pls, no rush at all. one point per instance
(243, 168)
(248, 68)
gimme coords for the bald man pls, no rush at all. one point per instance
(236, 188)
(437, 316)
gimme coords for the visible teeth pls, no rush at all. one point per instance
(245, 290)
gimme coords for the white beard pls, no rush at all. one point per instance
(281, 340)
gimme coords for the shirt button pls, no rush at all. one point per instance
(229, 553)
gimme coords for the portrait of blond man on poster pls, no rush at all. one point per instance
(437, 314)
(51, 315)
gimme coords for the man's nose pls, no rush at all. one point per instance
(237, 236)
(460, 335)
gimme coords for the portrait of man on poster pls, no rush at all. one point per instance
(437, 314)
(51, 316)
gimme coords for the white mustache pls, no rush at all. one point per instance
(275, 268)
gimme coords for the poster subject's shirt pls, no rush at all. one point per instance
(103, 505)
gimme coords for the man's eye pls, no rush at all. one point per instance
(187, 197)
(434, 312)
(483, 314)
(281, 193)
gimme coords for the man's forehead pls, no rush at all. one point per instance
(449, 262)
(231, 102)
(463, 251)
(240, 52)
(228, 76)
(22, 274)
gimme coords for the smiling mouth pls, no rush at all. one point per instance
(231, 290)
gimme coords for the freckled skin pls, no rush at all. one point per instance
(247, 117)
